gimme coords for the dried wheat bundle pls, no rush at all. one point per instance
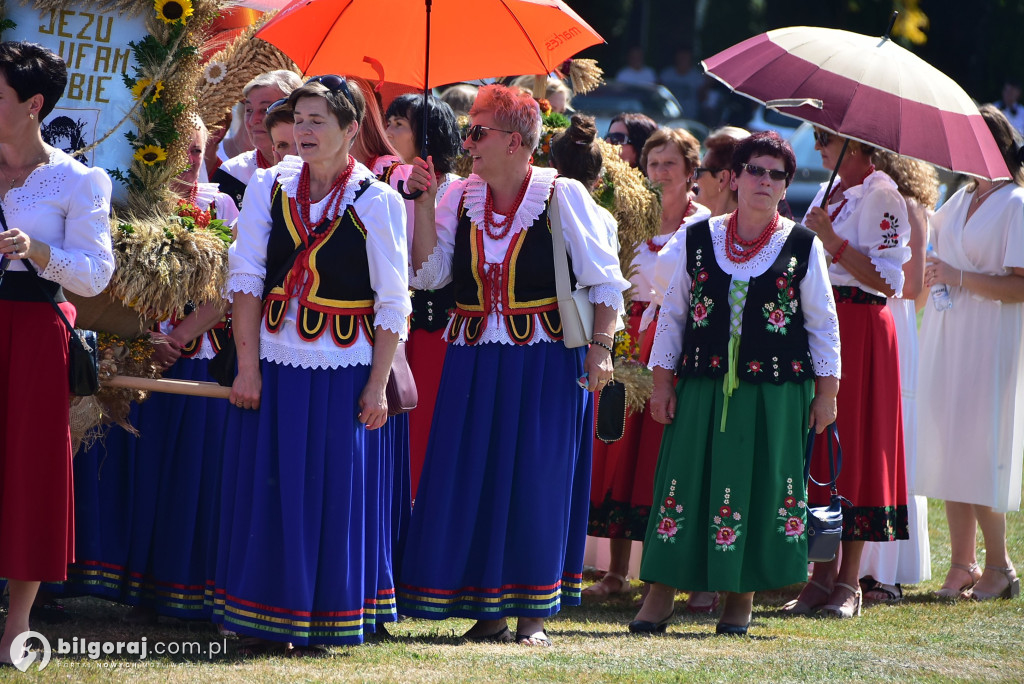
(585, 75)
(227, 72)
(161, 265)
(639, 383)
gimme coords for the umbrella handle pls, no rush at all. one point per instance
(408, 195)
(835, 172)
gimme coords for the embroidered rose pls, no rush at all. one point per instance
(794, 527)
(791, 293)
(700, 312)
(726, 536)
(667, 527)
(789, 502)
(781, 283)
(754, 367)
(885, 225)
(716, 361)
(777, 319)
(670, 501)
(797, 368)
(725, 511)
(702, 277)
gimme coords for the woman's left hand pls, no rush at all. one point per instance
(15, 244)
(938, 272)
(599, 367)
(373, 405)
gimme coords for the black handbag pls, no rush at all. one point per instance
(83, 346)
(825, 523)
(610, 423)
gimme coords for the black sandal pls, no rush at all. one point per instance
(502, 636)
(893, 593)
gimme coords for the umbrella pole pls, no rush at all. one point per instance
(835, 172)
(425, 117)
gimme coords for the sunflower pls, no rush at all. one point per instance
(150, 154)
(144, 83)
(173, 11)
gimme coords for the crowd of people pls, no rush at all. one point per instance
(305, 512)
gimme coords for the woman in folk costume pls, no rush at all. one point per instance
(750, 326)
(971, 425)
(620, 496)
(500, 519)
(309, 468)
(865, 228)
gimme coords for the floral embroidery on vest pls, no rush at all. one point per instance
(700, 306)
(777, 313)
(726, 525)
(670, 516)
(792, 516)
(754, 367)
(890, 231)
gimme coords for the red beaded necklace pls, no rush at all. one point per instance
(333, 195)
(834, 214)
(654, 246)
(740, 251)
(505, 225)
(193, 193)
(261, 161)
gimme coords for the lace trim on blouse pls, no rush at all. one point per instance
(431, 271)
(317, 357)
(533, 204)
(392, 320)
(244, 283)
(290, 168)
(607, 294)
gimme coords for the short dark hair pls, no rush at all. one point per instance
(283, 114)
(31, 69)
(444, 143)
(574, 153)
(639, 128)
(768, 143)
(344, 109)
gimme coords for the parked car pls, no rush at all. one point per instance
(611, 99)
(765, 119)
(809, 172)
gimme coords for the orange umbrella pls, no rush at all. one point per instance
(469, 39)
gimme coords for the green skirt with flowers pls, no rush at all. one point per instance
(730, 510)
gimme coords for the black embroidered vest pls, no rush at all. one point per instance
(521, 288)
(330, 278)
(773, 342)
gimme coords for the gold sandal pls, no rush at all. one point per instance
(952, 593)
(844, 610)
(798, 607)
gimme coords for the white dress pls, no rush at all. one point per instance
(971, 418)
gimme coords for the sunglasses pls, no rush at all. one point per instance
(277, 104)
(701, 170)
(617, 138)
(823, 138)
(759, 171)
(477, 132)
(334, 84)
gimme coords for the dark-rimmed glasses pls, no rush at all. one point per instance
(759, 171)
(701, 170)
(823, 138)
(334, 83)
(617, 138)
(477, 132)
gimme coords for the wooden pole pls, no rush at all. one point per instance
(189, 387)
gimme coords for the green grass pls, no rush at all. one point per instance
(919, 640)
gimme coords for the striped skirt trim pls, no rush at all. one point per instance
(491, 600)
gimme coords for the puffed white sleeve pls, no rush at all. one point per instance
(387, 251)
(84, 262)
(247, 256)
(883, 230)
(436, 271)
(820, 319)
(595, 261)
(671, 328)
(227, 210)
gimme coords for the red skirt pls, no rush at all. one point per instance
(870, 425)
(37, 527)
(622, 483)
(425, 352)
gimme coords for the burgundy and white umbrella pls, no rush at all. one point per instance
(863, 88)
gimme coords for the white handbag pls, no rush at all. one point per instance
(575, 308)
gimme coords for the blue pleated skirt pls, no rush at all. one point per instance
(500, 520)
(307, 525)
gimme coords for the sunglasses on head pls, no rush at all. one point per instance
(334, 84)
(701, 170)
(477, 132)
(759, 171)
(617, 138)
(277, 104)
(823, 138)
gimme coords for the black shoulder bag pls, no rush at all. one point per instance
(825, 523)
(83, 347)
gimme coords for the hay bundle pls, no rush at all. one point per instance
(585, 75)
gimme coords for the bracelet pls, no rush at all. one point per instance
(839, 252)
(603, 346)
(605, 335)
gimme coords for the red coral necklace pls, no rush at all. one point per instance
(654, 246)
(333, 195)
(740, 251)
(497, 230)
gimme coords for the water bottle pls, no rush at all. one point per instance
(940, 292)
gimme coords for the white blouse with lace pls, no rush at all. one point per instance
(594, 261)
(241, 167)
(66, 205)
(381, 211)
(210, 194)
(875, 221)
(819, 307)
(664, 264)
